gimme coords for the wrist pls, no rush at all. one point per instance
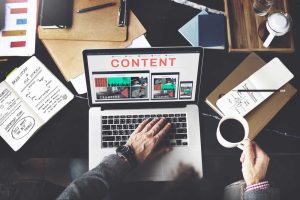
(258, 186)
(127, 153)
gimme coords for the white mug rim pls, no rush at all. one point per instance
(225, 142)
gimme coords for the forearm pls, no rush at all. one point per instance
(95, 183)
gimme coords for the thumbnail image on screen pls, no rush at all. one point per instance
(165, 86)
(186, 90)
(121, 87)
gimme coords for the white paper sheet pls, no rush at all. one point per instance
(18, 36)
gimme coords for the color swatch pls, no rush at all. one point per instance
(18, 44)
(13, 33)
(16, 1)
(18, 10)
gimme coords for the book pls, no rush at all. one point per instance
(67, 54)
(190, 30)
(259, 117)
(29, 97)
(97, 25)
(211, 31)
(18, 36)
(56, 13)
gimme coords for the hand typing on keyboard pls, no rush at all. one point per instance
(147, 136)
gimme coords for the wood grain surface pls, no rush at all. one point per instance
(246, 31)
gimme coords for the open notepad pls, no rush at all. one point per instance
(29, 97)
(271, 76)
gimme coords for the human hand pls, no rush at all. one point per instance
(254, 163)
(147, 136)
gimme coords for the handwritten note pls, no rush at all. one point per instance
(17, 121)
(240, 102)
(271, 76)
(40, 89)
(29, 97)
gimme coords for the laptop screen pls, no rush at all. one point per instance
(142, 76)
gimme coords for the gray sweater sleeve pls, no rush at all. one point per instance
(95, 183)
(266, 194)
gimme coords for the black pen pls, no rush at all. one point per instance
(95, 7)
(268, 90)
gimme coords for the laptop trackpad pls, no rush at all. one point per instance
(149, 171)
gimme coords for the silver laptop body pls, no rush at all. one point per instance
(126, 86)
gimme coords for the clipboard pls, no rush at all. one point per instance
(97, 25)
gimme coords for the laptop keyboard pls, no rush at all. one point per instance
(116, 129)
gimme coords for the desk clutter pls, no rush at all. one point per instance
(251, 26)
(242, 103)
(84, 24)
(31, 95)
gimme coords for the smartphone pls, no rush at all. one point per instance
(2, 14)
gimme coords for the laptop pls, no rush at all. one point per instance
(126, 86)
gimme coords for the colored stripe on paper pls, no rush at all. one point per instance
(18, 44)
(16, 1)
(18, 10)
(13, 33)
(21, 21)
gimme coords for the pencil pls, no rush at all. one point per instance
(95, 7)
(268, 90)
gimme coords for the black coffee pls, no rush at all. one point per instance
(232, 130)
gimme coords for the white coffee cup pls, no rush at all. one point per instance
(227, 143)
(278, 24)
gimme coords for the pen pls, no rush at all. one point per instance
(95, 7)
(269, 90)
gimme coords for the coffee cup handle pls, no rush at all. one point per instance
(241, 146)
(269, 40)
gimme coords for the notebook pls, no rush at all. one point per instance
(211, 31)
(56, 13)
(190, 30)
(264, 112)
(69, 58)
(30, 96)
(97, 25)
(271, 76)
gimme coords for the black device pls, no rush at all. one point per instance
(2, 14)
(127, 152)
(56, 13)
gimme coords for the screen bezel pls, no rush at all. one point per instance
(156, 50)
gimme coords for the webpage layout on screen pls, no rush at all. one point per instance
(143, 77)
